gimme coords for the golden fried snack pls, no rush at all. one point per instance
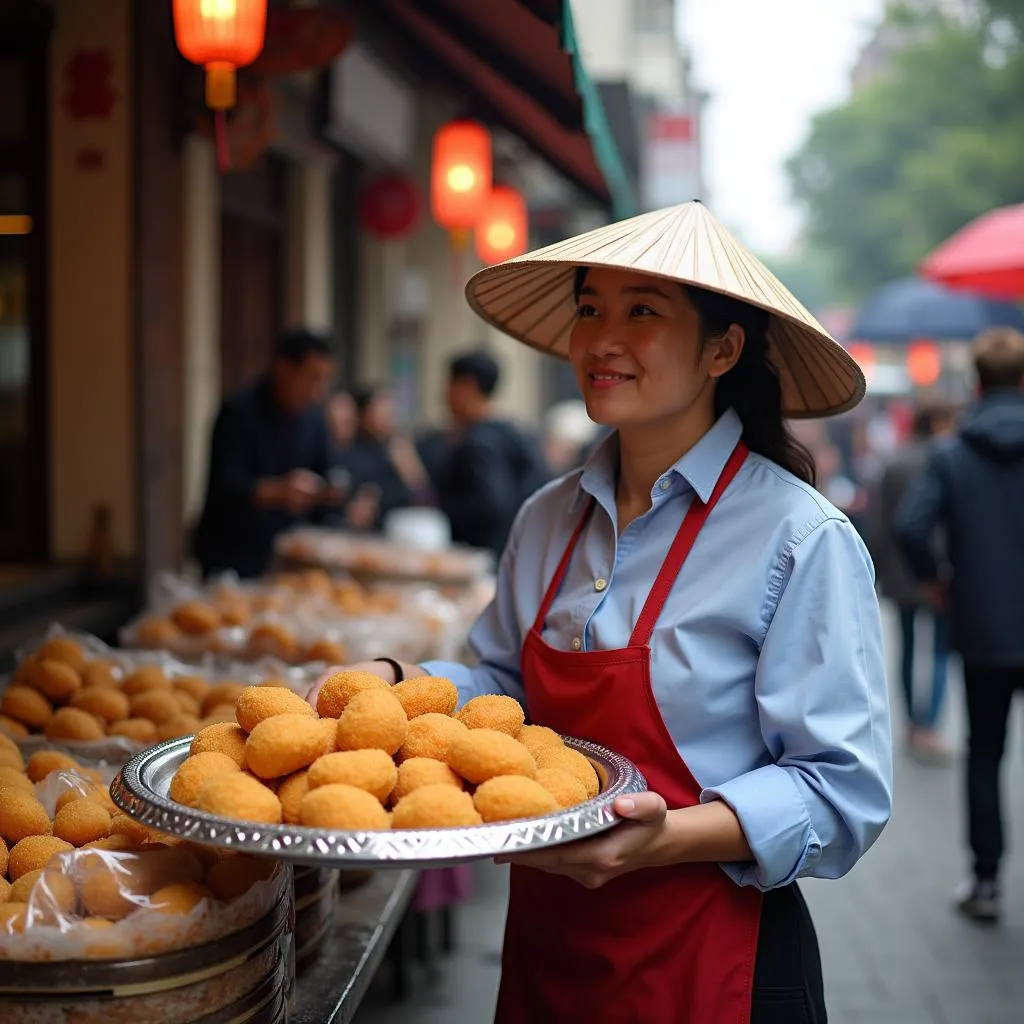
(566, 788)
(371, 769)
(11, 727)
(72, 724)
(107, 704)
(34, 852)
(11, 777)
(340, 687)
(417, 772)
(222, 693)
(437, 806)
(144, 679)
(536, 737)
(493, 711)
(179, 897)
(112, 884)
(11, 759)
(26, 705)
(573, 762)
(255, 704)
(188, 704)
(63, 648)
(100, 675)
(224, 738)
(234, 876)
(429, 736)
(115, 844)
(373, 718)
(3, 858)
(271, 639)
(50, 894)
(180, 725)
(342, 807)
(82, 821)
(122, 824)
(290, 792)
(240, 797)
(194, 771)
(5, 890)
(141, 730)
(158, 706)
(481, 754)
(329, 651)
(508, 797)
(426, 695)
(194, 686)
(283, 744)
(196, 618)
(57, 681)
(157, 633)
(45, 762)
(13, 917)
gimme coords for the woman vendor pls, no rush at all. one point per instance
(689, 600)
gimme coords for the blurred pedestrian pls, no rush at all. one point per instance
(972, 488)
(933, 418)
(342, 420)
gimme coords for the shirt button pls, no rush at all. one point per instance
(600, 585)
(665, 484)
(577, 643)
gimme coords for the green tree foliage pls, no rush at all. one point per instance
(910, 158)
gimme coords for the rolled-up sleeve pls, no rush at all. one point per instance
(824, 715)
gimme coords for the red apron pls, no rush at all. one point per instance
(673, 945)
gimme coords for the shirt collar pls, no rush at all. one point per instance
(700, 467)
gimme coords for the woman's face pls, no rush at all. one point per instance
(637, 354)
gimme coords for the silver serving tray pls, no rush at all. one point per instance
(141, 787)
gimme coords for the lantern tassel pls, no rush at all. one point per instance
(220, 126)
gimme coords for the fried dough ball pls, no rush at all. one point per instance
(144, 679)
(194, 771)
(11, 759)
(255, 704)
(180, 725)
(340, 687)
(57, 681)
(26, 705)
(50, 894)
(115, 844)
(436, 806)
(63, 648)
(112, 885)
(34, 852)
(240, 797)
(271, 639)
(73, 724)
(372, 770)
(536, 737)
(3, 859)
(196, 618)
(81, 822)
(188, 704)
(13, 917)
(426, 695)
(566, 788)
(329, 651)
(221, 713)
(235, 876)
(179, 897)
(193, 686)
(122, 824)
(5, 890)
(507, 797)
(11, 777)
(429, 736)
(95, 794)
(100, 675)
(290, 792)
(573, 762)
(142, 730)
(158, 706)
(422, 771)
(45, 762)
(342, 807)
(107, 704)
(493, 711)
(224, 738)
(11, 727)
(481, 754)
(156, 633)
(222, 693)
(283, 744)
(372, 718)
(330, 728)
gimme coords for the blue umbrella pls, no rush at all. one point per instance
(912, 308)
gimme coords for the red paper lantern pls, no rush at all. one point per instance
(502, 232)
(924, 363)
(461, 171)
(390, 207)
(220, 36)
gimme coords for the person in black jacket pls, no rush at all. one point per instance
(972, 487)
(491, 466)
(271, 460)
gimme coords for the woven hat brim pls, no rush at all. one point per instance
(531, 298)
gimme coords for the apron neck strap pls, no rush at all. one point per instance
(563, 567)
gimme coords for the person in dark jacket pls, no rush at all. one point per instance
(491, 466)
(933, 419)
(271, 460)
(972, 487)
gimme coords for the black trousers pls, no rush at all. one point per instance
(788, 987)
(990, 694)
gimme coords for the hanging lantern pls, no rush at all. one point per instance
(924, 363)
(460, 177)
(220, 36)
(501, 232)
(389, 207)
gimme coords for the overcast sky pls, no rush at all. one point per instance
(769, 66)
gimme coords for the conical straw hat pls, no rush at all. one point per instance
(531, 297)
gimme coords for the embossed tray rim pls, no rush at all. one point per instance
(136, 790)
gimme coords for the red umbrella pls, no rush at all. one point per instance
(986, 256)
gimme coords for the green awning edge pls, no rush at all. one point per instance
(595, 122)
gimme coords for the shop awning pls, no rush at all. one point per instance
(519, 62)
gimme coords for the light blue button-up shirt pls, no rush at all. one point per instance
(766, 662)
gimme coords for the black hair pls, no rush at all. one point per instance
(364, 395)
(930, 414)
(481, 367)
(296, 346)
(752, 386)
